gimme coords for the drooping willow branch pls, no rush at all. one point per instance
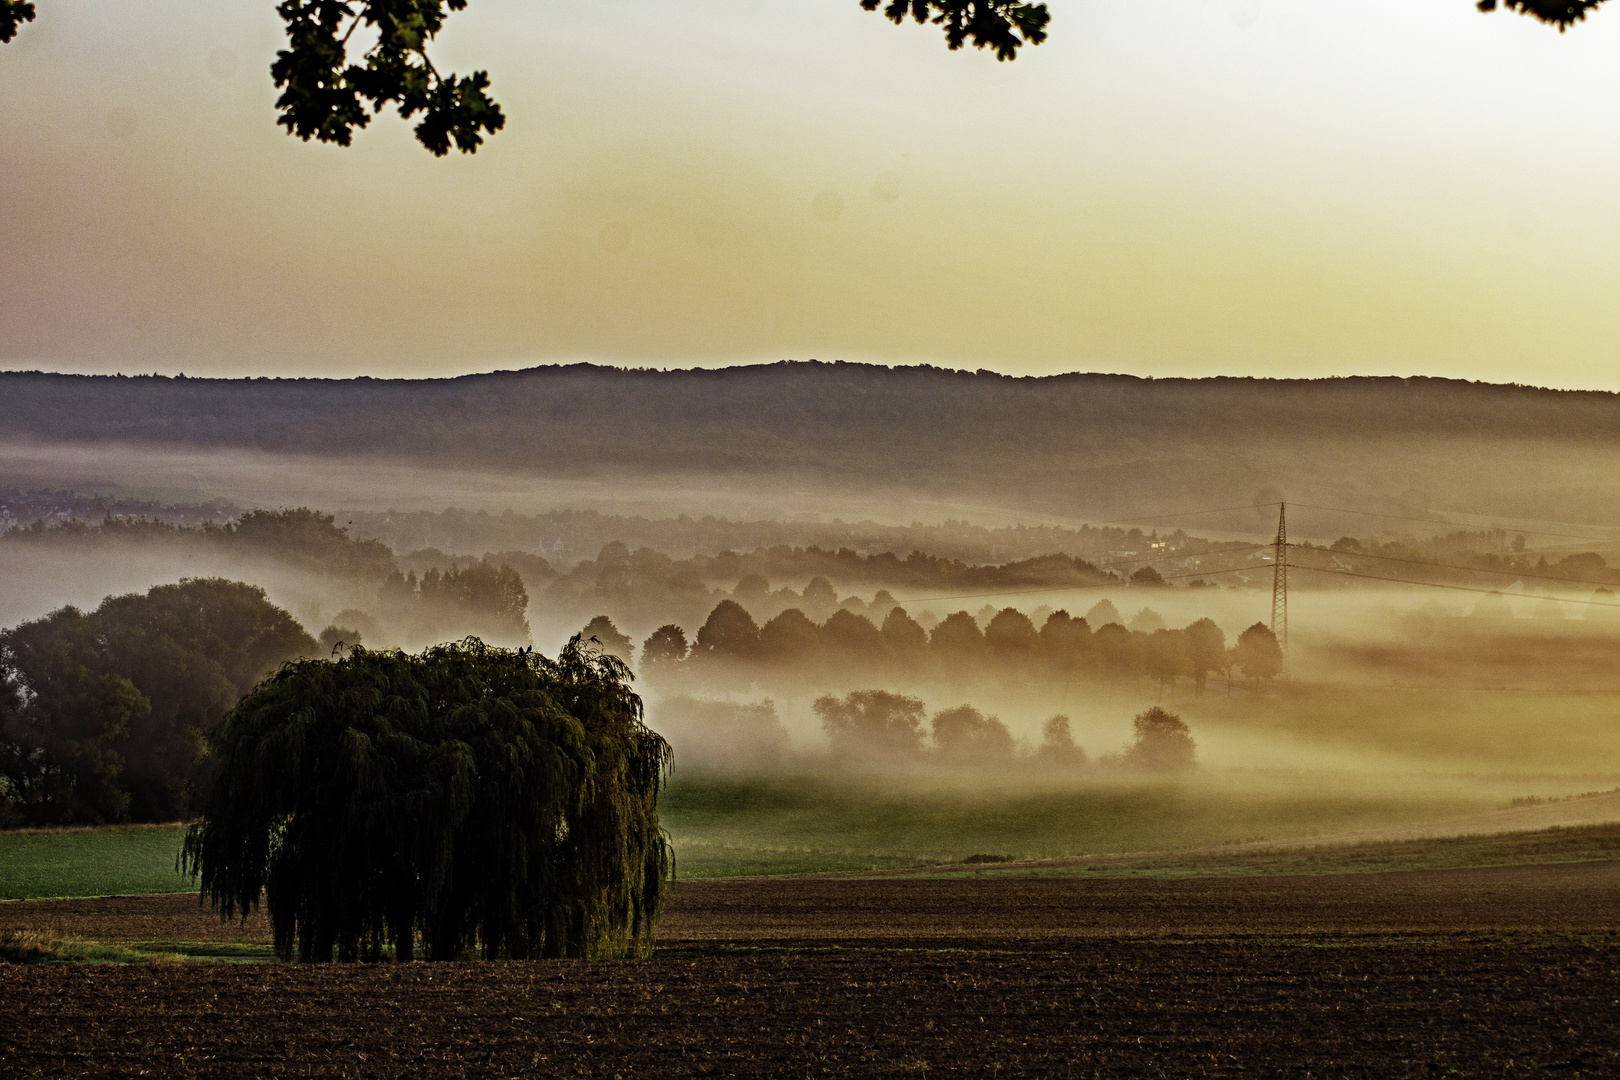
(473, 799)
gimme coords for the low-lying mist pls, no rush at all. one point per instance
(1021, 655)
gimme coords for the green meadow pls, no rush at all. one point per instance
(91, 862)
(726, 826)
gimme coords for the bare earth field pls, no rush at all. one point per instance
(1476, 972)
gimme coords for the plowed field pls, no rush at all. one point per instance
(1502, 972)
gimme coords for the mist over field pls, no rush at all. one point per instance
(946, 538)
(859, 595)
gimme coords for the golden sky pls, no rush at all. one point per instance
(1167, 187)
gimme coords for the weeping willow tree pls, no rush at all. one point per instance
(480, 801)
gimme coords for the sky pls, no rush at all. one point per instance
(1165, 188)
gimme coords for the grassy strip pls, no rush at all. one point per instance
(1559, 844)
(24, 948)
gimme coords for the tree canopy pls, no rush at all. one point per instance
(491, 801)
(104, 714)
(327, 95)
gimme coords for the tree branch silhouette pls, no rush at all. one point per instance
(326, 97)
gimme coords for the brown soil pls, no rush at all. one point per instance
(1571, 898)
(1480, 973)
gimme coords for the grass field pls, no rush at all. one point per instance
(91, 862)
(816, 823)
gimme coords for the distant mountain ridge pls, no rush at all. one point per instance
(799, 400)
(914, 427)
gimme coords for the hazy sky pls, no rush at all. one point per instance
(1167, 187)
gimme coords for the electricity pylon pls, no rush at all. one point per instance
(1279, 582)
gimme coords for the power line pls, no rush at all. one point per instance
(1279, 582)
(1466, 569)
(1152, 518)
(1442, 585)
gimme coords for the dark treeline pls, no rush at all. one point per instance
(104, 715)
(1111, 443)
(301, 538)
(646, 586)
(1008, 646)
(566, 536)
(561, 415)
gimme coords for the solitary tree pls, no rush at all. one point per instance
(481, 799)
(1163, 743)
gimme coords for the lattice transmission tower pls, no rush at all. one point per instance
(1279, 581)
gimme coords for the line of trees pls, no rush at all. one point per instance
(878, 728)
(780, 550)
(1064, 647)
(484, 599)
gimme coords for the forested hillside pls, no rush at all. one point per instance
(1065, 443)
